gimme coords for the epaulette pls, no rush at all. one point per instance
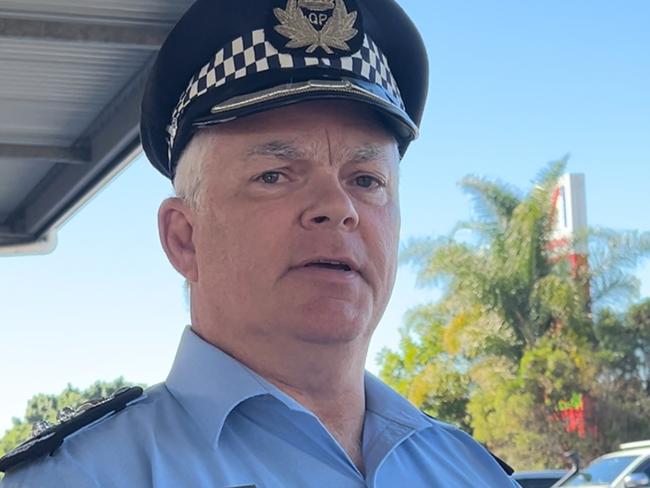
(505, 466)
(47, 438)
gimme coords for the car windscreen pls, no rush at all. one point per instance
(601, 471)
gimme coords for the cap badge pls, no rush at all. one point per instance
(316, 23)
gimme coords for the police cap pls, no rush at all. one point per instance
(226, 59)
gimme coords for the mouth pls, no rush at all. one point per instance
(338, 270)
(331, 265)
(342, 264)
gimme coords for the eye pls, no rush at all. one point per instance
(368, 181)
(270, 177)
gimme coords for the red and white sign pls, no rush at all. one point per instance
(570, 220)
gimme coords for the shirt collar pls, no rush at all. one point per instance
(384, 401)
(209, 384)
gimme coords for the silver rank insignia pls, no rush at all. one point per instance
(46, 438)
(317, 23)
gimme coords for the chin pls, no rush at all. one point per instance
(328, 327)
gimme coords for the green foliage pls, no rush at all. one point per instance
(423, 372)
(623, 386)
(513, 335)
(45, 407)
(613, 256)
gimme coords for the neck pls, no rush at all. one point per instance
(327, 379)
(331, 385)
(336, 397)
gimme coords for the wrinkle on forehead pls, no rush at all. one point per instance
(315, 131)
(289, 150)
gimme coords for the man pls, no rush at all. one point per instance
(282, 126)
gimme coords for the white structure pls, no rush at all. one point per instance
(570, 202)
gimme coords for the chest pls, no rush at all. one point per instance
(282, 455)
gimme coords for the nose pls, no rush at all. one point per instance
(330, 206)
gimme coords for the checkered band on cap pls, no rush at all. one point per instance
(252, 53)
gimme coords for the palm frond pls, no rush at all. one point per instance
(613, 257)
(481, 231)
(539, 201)
(493, 201)
(440, 259)
(418, 249)
(548, 176)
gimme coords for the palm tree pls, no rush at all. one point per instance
(502, 290)
(515, 318)
(506, 286)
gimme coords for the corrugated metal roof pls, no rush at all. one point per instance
(113, 11)
(71, 76)
(51, 91)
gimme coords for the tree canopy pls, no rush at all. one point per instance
(520, 330)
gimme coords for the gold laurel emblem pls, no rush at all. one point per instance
(338, 29)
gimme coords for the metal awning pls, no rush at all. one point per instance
(72, 74)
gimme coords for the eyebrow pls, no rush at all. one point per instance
(365, 153)
(279, 149)
(287, 151)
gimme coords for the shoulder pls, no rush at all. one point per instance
(95, 433)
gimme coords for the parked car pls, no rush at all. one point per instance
(627, 468)
(538, 479)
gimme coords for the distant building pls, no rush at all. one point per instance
(570, 220)
(568, 242)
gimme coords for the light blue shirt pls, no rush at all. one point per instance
(215, 423)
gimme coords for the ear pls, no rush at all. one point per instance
(176, 229)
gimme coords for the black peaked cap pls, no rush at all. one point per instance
(202, 75)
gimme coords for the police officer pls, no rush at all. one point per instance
(281, 124)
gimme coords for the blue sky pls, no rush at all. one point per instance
(513, 85)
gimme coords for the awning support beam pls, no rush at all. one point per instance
(47, 153)
(48, 30)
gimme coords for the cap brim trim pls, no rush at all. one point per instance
(312, 89)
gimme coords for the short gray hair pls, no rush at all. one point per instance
(187, 180)
(189, 170)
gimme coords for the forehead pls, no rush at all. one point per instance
(349, 122)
